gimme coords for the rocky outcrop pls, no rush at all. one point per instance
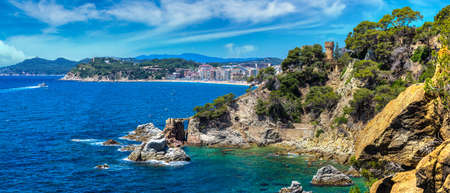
(352, 172)
(433, 171)
(157, 149)
(404, 132)
(295, 187)
(240, 126)
(154, 146)
(102, 167)
(110, 142)
(174, 132)
(143, 132)
(330, 176)
(430, 175)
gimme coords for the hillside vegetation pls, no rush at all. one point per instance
(40, 66)
(349, 101)
(115, 69)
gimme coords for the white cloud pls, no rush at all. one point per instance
(226, 34)
(55, 14)
(10, 55)
(238, 51)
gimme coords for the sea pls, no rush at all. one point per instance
(51, 140)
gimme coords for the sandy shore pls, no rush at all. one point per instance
(242, 83)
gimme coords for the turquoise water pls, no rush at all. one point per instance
(50, 139)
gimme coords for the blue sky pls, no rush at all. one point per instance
(77, 29)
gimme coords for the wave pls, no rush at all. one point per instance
(160, 163)
(18, 89)
(97, 142)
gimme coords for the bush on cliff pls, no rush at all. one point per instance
(216, 109)
(321, 98)
(306, 56)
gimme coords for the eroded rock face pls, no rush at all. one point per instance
(433, 171)
(430, 175)
(330, 176)
(240, 126)
(144, 132)
(295, 187)
(157, 149)
(404, 132)
(174, 132)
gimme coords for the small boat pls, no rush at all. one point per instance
(42, 85)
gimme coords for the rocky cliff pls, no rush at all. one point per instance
(239, 126)
(405, 131)
(430, 175)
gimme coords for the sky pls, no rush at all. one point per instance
(78, 29)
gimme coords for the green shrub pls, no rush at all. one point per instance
(261, 108)
(215, 109)
(361, 105)
(421, 54)
(427, 73)
(340, 120)
(319, 132)
(355, 189)
(320, 98)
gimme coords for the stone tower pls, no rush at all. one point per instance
(329, 47)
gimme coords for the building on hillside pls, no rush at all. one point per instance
(205, 71)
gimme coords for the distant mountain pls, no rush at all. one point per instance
(40, 66)
(205, 59)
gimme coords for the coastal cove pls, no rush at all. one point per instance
(52, 141)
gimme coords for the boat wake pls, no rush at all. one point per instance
(18, 89)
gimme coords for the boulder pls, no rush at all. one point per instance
(111, 142)
(295, 187)
(158, 149)
(156, 144)
(330, 176)
(103, 166)
(174, 132)
(144, 132)
(352, 172)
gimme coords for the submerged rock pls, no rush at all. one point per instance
(111, 142)
(157, 149)
(330, 176)
(103, 166)
(295, 187)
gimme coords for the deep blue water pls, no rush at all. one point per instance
(49, 139)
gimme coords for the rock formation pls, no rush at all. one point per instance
(174, 132)
(240, 126)
(157, 149)
(352, 172)
(154, 146)
(110, 142)
(295, 187)
(143, 132)
(102, 167)
(404, 132)
(330, 176)
(430, 175)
